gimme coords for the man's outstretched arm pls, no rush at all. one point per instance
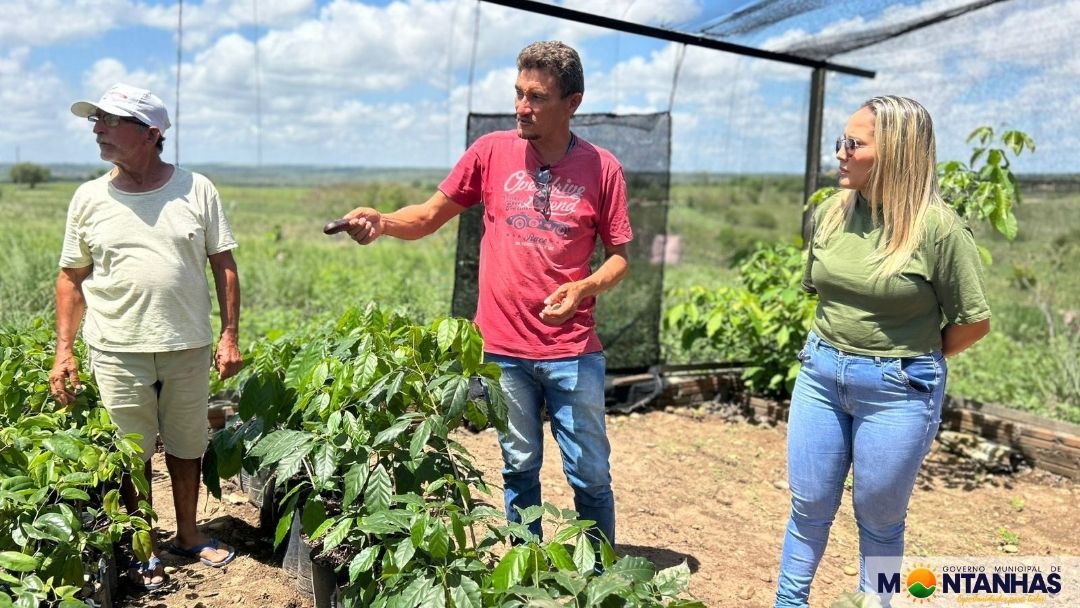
(408, 223)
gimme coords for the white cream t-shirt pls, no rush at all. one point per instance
(148, 290)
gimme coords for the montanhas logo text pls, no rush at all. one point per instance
(922, 583)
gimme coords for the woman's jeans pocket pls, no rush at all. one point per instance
(921, 374)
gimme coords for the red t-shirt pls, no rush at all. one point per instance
(524, 256)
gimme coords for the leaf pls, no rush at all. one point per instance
(455, 395)
(388, 435)
(636, 569)
(284, 524)
(229, 455)
(497, 411)
(260, 395)
(1015, 140)
(54, 526)
(984, 134)
(63, 446)
(420, 439)
(608, 557)
(472, 352)
(355, 478)
(511, 568)
(416, 531)
(303, 365)
(291, 463)
(325, 462)
(339, 533)
(674, 580)
(584, 556)
(112, 502)
(560, 557)
(74, 494)
(403, 553)
(423, 591)
(466, 594)
(856, 600)
(313, 515)
(363, 561)
(476, 417)
(210, 473)
(323, 527)
(459, 530)
(382, 523)
(142, 545)
(438, 541)
(18, 562)
(601, 587)
(976, 155)
(446, 331)
(280, 444)
(73, 571)
(1005, 224)
(393, 388)
(378, 491)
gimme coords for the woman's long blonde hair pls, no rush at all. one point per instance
(902, 182)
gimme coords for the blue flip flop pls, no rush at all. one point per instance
(148, 570)
(196, 551)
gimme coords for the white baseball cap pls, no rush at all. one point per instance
(125, 100)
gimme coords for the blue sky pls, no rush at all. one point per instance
(354, 83)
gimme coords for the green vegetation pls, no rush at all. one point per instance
(354, 421)
(59, 471)
(762, 321)
(294, 277)
(1007, 537)
(30, 174)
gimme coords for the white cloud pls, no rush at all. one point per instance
(656, 12)
(46, 22)
(41, 23)
(33, 121)
(202, 22)
(353, 83)
(1011, 65)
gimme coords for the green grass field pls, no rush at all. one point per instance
(292, 275)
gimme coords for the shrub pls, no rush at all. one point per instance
(354, 423)
(59, 472)
(761, 322)
(29, 173)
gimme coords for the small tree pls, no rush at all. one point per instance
(29, 173)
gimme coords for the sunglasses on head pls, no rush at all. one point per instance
(541, 200)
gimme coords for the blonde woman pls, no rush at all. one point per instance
(900, 287)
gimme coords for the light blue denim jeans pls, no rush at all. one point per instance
(879, 414)
(572, 389)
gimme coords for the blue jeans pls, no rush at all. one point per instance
(573, 391)
(879, 414)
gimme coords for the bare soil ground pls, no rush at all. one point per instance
(689, 486)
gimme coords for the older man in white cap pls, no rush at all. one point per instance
(136, 246)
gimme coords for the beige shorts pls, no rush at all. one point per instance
(157, 394)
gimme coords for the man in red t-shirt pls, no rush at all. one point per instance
(547, 196)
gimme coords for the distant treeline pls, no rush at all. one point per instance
(315, 175)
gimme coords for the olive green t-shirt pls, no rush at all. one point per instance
(902, 315)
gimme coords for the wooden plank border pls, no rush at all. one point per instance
(1052, 445)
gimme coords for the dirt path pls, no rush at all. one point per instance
(689, 486)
